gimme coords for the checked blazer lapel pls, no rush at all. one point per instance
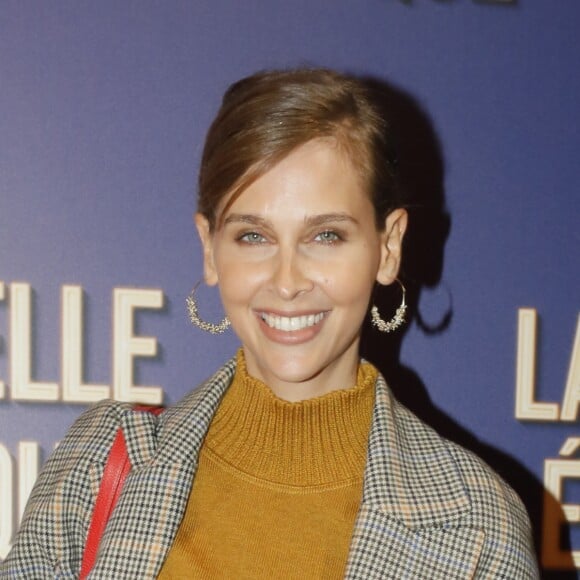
(149, 511)
(412, 497)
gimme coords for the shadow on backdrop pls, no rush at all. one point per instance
(420, 169)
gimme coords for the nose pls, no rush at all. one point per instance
(290, 275)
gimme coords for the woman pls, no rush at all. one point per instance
(293, 460)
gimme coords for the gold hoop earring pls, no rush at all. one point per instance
(193, 312)
(396, 321)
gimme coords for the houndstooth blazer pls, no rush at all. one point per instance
(430, 510)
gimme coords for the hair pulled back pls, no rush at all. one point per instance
(264, 117)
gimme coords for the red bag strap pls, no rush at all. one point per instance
(116, 470)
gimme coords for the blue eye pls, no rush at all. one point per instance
(252, 238)
(328, 237)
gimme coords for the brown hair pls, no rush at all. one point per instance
(264, 117)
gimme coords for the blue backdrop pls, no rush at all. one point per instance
(103, 111)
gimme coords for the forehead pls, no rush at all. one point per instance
(317, 176)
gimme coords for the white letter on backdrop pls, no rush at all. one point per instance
(571, 400)
(1, 298)
(127, 346)
(23, 388)
(73, 388)
(526, 406)
(6, 514)
(28, 463)
(557, 511)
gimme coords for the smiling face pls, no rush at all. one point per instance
(296, 256)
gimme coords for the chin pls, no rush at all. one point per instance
(293, 369)
(300, 368)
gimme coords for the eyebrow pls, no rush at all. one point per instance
(315, 220)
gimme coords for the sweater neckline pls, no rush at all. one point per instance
(314, 442)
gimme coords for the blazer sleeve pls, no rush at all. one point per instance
(52, 534)
(508, 550)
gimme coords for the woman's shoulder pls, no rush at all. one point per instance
(87, 441)
(95, 427)
(485, 487)
(446, 473)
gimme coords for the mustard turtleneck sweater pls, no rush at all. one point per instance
(278, 484)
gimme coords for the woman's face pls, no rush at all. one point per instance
(296, 256)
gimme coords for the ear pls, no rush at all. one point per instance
(391, 246)
(206, 237)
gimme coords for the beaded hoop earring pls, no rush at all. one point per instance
(193, 312)
(396, 321)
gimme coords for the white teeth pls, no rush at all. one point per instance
(292, 323)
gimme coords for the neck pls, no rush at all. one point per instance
(298, 376)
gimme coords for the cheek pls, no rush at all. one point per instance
(237, 282)
(349, 284)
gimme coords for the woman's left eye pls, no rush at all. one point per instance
(328, 237)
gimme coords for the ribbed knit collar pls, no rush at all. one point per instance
(315, 442)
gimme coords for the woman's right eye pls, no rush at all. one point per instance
(251, 238)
